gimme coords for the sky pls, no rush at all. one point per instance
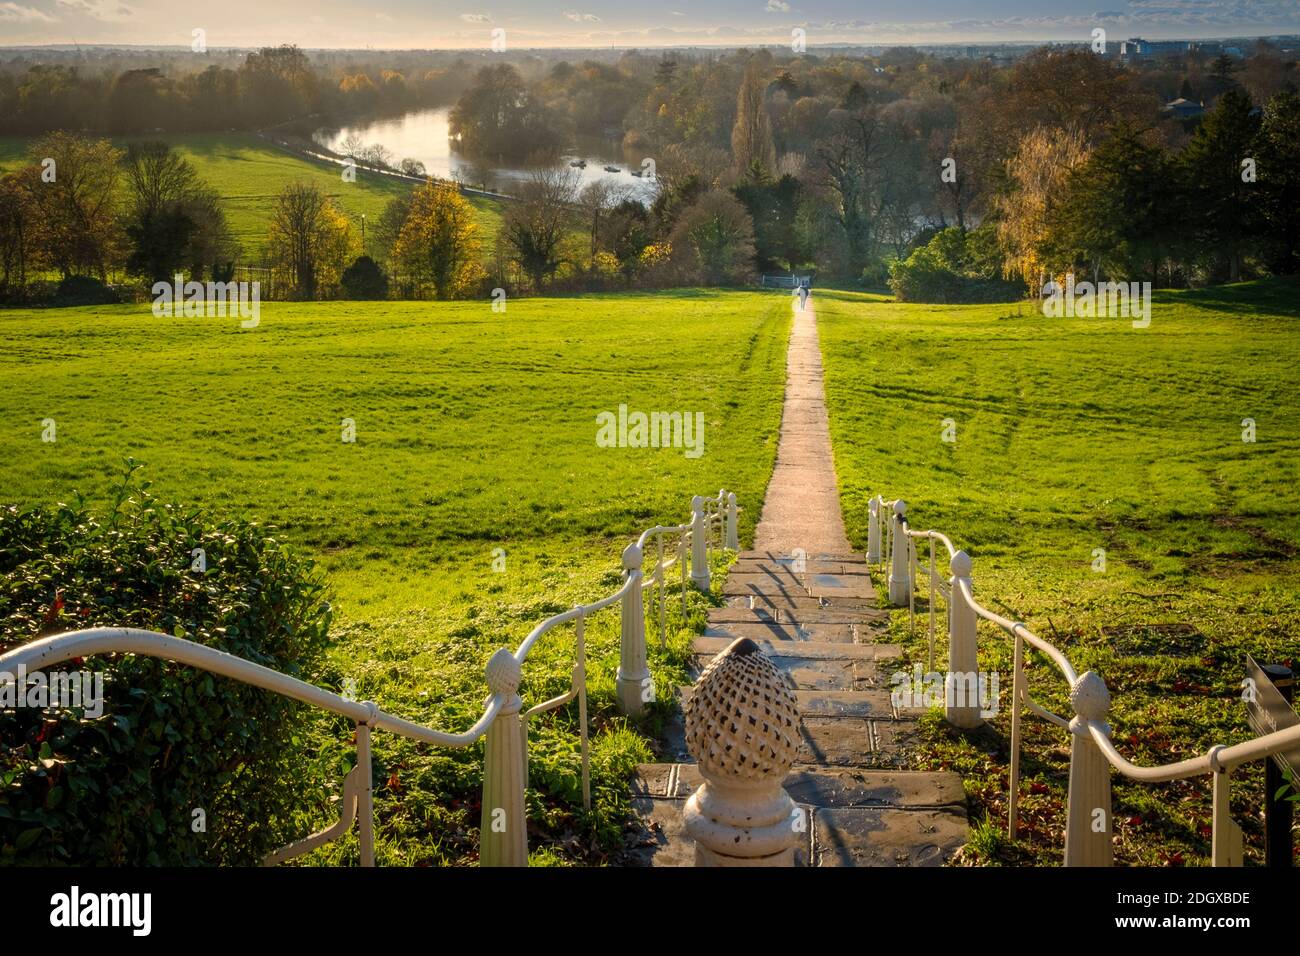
(469, 24)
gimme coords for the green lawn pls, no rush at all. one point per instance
(474, 431)
(249, 172)
(1075, 435)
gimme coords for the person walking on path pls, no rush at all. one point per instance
(803, 295)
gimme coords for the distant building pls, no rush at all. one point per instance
(1184, 109)
(1138, 48)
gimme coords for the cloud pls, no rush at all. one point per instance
(777, 6)
(13, 13)
(104, 10)
(476, 17)
(582, 17)
(383, 17)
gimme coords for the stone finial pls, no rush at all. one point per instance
(742, 727)
(504, 673)
(742, 722)
(900, 507)
(1089, 696)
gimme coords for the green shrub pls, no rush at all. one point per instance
(364, 280)
(954, 267)
(84, 290)
(121, 789)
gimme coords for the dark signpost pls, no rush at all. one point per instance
(1269, 709)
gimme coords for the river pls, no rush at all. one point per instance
(426, 135)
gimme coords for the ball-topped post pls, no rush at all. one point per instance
(900, 563)
(961, 698)
(699, 544)
(503, 828)
(733, 533)
(635, 688)
(742, 728)
(873, 530)
(1088, 808)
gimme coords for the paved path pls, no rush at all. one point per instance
(810, 605)
(802, 509)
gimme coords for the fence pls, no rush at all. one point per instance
(892, 543)
(504, 721)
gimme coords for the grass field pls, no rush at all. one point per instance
(248, 173)
(1076, 435)
(474, 431)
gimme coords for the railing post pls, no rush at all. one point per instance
(961, 686)
(722, 518)
(733, 533)
(900, 567)
(366, 799)
(633, 675)
(1226, 836)
(699, 544)
(1088, 809)
(873, 530)
(503, 828)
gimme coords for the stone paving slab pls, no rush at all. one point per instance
(661, 838)
(862, 836)
(829, 585)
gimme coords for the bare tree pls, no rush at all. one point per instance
(534, 228)
(595, 202)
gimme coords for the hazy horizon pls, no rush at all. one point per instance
(441, 25)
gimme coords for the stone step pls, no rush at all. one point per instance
(779, 584)
(766, 613)
(822, 787)
(872, 704)
(773, 631)
(853, 817)
(707, 646)
(798, 604)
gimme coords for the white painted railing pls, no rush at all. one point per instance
(503, 839)
(1088, 827)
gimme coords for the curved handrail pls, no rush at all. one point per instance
(1218, 759)
(44, 652)
(47, 651)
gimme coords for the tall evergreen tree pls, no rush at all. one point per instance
(1218, 203)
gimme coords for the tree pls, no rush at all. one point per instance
(78, 210)
(1219, 213)
(1036, 174)
(714, 240)
(597, 199)
(534, 228)
(751, 137)
(439, 242)
(309, 241)
(774, 209)
(173, 220)
(364, 280)
(1279, 182)
(497, 116)
(1116, 214)
(19, 232)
